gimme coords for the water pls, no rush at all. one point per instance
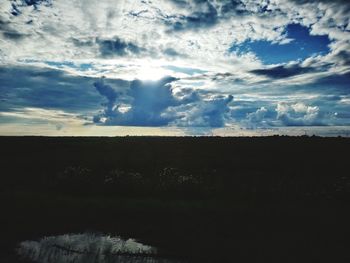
(88, 248)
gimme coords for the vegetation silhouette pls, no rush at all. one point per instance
(201, 199)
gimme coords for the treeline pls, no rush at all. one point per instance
(184, 167)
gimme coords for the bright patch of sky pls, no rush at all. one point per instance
(189, 71)
(83, 66)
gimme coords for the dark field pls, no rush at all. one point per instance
(207, 199)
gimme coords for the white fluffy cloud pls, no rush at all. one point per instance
(80, 30)
(298, 114)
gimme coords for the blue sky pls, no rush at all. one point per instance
(300, 46)
(175, 67)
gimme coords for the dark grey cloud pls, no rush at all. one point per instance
(110, 94)
(335, 84)
(344, 2)
(205, 17)
(13, 35)
(118, 47)
(46, 88)
(15, 11)
(16, 6)
(283, 71)
(36, 2)
(237, 7)
(207, 13)
(198, 19)
(344, 57)
(227, 77)
(172, 52)
(10, 33)
(138, 14)
(82, 42)
(106, 91)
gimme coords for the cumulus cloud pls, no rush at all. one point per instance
(213, 112)
(145, 100)
(317, 111)
(298, 114)
(155, 103)
(257, 116)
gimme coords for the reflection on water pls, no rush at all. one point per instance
(88, 248)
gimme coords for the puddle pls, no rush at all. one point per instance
(88, 248)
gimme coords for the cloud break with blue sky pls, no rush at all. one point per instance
(174, 67)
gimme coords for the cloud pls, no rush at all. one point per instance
(154, 103)
(284, 71)
(172, 52)
(45, 88)
(205, 16)
(316, 111)
(35, 3)
(13, 35)
(346, 2)
(10, 33)
(332, 84)
(208, 13)
(118, 47)
(213, 112)
(257, 116)
(106, 91)
(298, 114)
(18, 5)
(145, 101)
(343, 57)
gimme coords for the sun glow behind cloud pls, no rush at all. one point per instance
(149, 70)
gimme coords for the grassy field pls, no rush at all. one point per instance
(206, 199)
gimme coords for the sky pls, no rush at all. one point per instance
(174, 67)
